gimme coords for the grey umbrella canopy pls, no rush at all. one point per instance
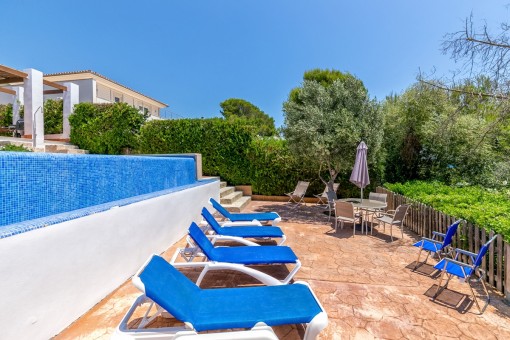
(359, 175)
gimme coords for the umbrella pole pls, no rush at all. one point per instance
(361, 195)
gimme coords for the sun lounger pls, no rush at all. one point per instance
(255, 309)
(241, 230)
(244, 255)
(272, 217)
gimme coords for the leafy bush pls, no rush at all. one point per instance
(273, 170)
(105, 128)
(489, 209)
(53, 116)
(5, 114)
(430, 134)
(223, 144)
(230, 150)
(11, 147)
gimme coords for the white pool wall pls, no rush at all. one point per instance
(51, 276)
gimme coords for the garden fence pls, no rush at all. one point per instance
(423, 220)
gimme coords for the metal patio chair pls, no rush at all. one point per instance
(344, 212)
(298, 195)
(464, 271)
(323, 198)
(394, 218)
(435, 246)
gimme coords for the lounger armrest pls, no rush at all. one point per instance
(389, 213)
(436, 233)
(462, 264)
(241, 240)
(262, 277)
(432, 240)
(253, 223)
(465, 252)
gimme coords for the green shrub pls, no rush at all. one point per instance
(230, 150)
(5, 114)
(53, 116)
(489, 209)
(105, 128)
(275, 171)
(11, 147)
(223, 144)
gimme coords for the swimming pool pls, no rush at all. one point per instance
(40, 189)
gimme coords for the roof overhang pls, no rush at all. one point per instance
(11, 76)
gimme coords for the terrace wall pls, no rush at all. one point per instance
(423, 219)
(53, 275)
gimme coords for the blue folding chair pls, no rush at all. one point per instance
(244, 255)
(435, 246)
(256, 309)
(241, 230)
(464, 271)
(272, 217)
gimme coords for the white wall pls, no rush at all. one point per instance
(87, 90)
(6, 98)
(51, 276)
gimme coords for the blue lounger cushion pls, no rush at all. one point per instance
(453, 268)
(247, 255)
(225, 308)
(427, 245)
(240, 231)
(240, 217)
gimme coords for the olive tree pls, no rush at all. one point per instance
(324, 122)
(248, 114)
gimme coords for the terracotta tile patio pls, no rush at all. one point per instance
(364, 282)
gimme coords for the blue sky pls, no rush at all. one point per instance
(194, 54)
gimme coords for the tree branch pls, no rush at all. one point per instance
(449, 89)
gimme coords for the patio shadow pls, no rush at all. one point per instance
(424, 269)
(450, 298)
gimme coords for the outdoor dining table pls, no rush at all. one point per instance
(365, 205)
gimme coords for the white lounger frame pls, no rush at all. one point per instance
(192, 251)
(210, 232)
(260, 331)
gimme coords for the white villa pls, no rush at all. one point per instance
(96, 88)
(31, 88)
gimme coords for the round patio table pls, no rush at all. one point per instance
(366, 205)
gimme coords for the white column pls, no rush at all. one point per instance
(94, 91)
(71, 98)
(16, 105)
(34, 117)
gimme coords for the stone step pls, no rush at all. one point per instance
(231, 198)
(223, 184)
(64, 148)
(238, 205)
(226, 191)
(77, 151)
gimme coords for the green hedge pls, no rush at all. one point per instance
(5, 115)
(222, 144)
(488, 209)
(53, 116)
(230, 150)
(274, 171)
(105, 128)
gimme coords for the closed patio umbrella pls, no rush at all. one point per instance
(359, 175)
